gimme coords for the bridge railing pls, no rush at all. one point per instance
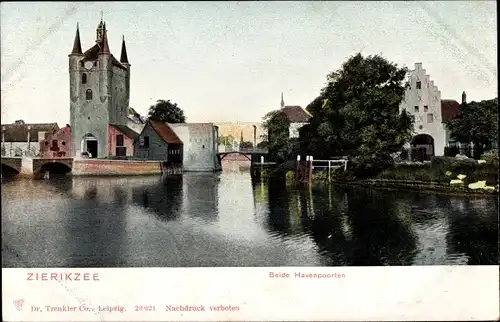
(256, 150)
(329, 164)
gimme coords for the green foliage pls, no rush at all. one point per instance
(226, 140)
(477, 122)
(246, 145)
(357, 114)
(491, 157)
(262, 145)
(442, 170)
(280, 147)
(166, 111)
(290, 177)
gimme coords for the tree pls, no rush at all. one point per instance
(226, 140)
(277, 124)
(246, 145)
(477, 122)
(357, 114)
(166, 111)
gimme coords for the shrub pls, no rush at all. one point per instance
(491, 157)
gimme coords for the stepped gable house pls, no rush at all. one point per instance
(99, 98)
(423, 102)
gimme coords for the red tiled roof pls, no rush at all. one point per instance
(19, 132)
(449, 109)
(165, 132)
(296, 114)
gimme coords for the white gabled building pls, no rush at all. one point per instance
(423, 101)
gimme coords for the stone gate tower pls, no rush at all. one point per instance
(99, 93)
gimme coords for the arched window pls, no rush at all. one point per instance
(84, 78)
(88, 95)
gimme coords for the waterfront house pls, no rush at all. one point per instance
(429, 112)
(56, 145)
(21, 139)
(121, 140)
(158, 141)
(200, 146)
(297, 116)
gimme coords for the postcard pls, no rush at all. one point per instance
(249, 161)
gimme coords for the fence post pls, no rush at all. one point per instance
(297, 168)
(329, 171)
(310, 168)
(345, 165)
(306, 170)
(261, 159)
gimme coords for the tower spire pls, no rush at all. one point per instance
(282, 101)
(77, 46)
(104, 47)
(124, 57)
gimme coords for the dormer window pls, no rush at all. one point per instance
(88, 95)
(84, 78)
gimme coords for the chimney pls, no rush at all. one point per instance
(418, 66)
(464, 97)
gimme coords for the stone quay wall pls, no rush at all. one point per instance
(89, 167)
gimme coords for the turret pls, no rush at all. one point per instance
(124, 56)
(104, 57)
(74, 59)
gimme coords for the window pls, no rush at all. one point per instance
(416, 108)
(119, 140)
(63, 143)
(88, 95)
(419, 85)
(430, 118)
(146, 141)
(426, 108)
(84, 78)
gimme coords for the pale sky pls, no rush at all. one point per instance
(230, 61)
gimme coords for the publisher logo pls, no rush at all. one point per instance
(18, 304)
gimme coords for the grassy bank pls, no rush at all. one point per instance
(435, 176)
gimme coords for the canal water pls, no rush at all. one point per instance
(227, 220)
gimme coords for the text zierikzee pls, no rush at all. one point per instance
(62, 277)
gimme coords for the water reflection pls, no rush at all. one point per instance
(228, 220)
(164, 198)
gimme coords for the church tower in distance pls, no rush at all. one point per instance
(99, 93)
